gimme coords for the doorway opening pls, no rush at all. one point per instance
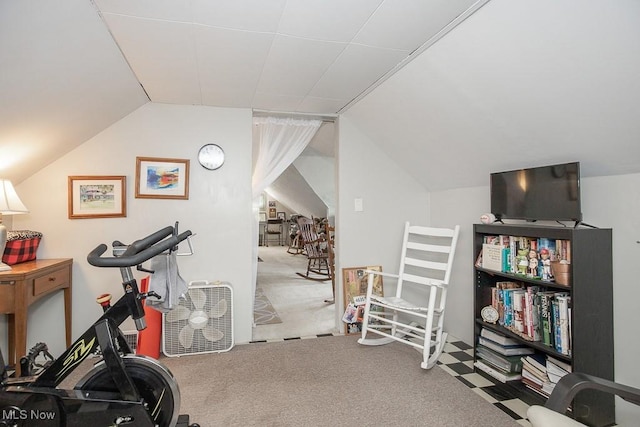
(286, 304)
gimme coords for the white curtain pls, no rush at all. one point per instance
(282, 140)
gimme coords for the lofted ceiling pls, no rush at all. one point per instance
(72, 68)
(483, 85)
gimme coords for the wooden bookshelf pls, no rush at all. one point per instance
(590, 286)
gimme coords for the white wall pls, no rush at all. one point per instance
(390, 197)
(607, 202)
(218, 210)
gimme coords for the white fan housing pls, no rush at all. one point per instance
(202, 322)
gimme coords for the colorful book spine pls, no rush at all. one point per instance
(545, 299)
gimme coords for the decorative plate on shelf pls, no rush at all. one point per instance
(489, 314)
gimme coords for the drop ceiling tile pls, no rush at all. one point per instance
(294, 65)
(408, 24)
(156, 9)
(335, 20)
(250, 15)
(274, 102)
(355, 70)
(312, 104)
(151, 36)
(230, 64)
(166, 80)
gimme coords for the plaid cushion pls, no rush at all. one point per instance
(21, 246)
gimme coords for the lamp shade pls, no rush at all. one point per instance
(10, 203)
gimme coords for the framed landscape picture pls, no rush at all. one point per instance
(158, 178)
(97, 197)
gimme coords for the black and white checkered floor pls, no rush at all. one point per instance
(457, 360)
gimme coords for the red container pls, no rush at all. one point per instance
(149, 338)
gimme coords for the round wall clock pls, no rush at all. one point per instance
(489, 314)
(211, 156)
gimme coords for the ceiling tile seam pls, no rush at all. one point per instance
(426, 45)
(368, 20)
(124, 57)
(192, 36)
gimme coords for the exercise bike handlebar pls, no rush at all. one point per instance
(139, 251)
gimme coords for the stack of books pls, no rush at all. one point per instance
(556, 369)
(534, 375)
(500, 356)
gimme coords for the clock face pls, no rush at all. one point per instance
(489, 314)
(211, 156)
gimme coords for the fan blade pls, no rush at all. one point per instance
(178, 313)
(185, 337)
(219, 309)
(198, 298)
(212, 334)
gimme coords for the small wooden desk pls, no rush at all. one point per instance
(24, 284)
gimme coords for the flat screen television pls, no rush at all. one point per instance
(540, 193)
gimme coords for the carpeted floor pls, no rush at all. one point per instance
(326, 381)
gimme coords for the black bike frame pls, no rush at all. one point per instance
(104, 334)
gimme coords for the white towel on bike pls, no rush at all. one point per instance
(166, 282)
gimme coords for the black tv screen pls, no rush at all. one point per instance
(541, 193)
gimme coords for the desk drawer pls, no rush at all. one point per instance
(50, 281)
(7, 297)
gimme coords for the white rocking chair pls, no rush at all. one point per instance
(415, 315)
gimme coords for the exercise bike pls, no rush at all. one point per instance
(122, 389)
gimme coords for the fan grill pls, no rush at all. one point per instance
(214, 301)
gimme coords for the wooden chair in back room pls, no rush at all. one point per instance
(315, 247)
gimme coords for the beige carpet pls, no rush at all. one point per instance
(327, 381)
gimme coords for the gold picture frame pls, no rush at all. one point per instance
(159, 178)
(97, 197)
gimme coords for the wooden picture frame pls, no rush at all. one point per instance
(97, 197)
(282, 216)
(354, 283)
(159, 178)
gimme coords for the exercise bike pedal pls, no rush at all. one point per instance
(183, 421)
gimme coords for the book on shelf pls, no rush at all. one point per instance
(505, 363)
(546, 320)
(537, 361)
(505, 350)
(498, 338)
(497, 373)
(534, 371)
(556, 369)
(541, 389)
(492, 256)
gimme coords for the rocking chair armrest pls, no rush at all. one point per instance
(380, 273)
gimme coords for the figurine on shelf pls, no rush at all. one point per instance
(533, 264)
(523, 262)
(545, 261)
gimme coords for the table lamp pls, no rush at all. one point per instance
(10, 204)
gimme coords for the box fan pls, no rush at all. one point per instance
(201, 323)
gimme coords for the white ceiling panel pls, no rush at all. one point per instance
(170, 10)
(407, 24)
(294, 65)
(250, 15)
(355, 69)
(334, 20)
